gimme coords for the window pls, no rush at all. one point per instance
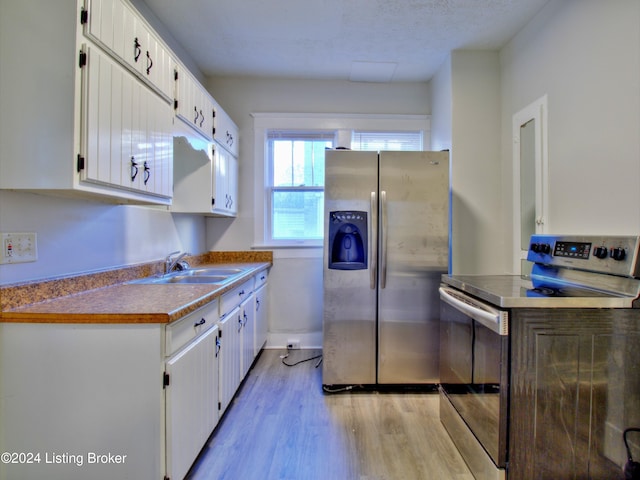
(296, 184)
(378, 141)
(289, 168)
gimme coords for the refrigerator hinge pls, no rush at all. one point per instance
(165, 380)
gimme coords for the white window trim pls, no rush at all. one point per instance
(343, 125)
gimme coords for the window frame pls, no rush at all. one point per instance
(271, 189)
(343, 125)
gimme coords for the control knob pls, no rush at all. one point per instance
(618, 253)
(600, 252)
(543, 248)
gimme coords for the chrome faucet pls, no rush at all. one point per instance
(175, 264)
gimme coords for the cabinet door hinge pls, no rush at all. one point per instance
(166, 478)
(219, 405)
(175, 74)
(84, 16)
(165, 380)
(80, 163)
(213, 201)
(82, 59)
(219, 333)
(175, 104)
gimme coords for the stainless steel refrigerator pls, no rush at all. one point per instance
(386, 244)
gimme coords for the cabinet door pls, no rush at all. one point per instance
(122, 32)
(226, 132)
(230, 377)
(247, 334)
(194, 104)
(225, 182)
(125, 127)
(220, 180)
(261, 319)
(191, 402)
(232, 185)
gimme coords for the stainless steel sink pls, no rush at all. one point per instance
(196, 279)
(213, 275)
(209, 271)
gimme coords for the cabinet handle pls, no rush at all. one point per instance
(149, 62)
(257, 304)
(229, 139)
(241, 292)
(201, 322)
(136, 50)
(239, 322)
(201, 118)
(245, 319)
(217, 346)
(147, 172)
(195, 119)
(134, 169)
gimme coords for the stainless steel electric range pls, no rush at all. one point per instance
(540, 375)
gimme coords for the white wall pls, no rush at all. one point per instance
(585, 55)
(77, 235)
(466, 120)
(296, 277)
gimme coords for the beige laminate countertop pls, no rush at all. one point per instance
(129, 302)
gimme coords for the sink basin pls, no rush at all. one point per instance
(196, 279)
(212, 271)
(195, 275)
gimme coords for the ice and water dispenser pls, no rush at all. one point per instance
(347, 240)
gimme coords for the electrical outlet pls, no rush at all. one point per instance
(18, 247)
(293, 344)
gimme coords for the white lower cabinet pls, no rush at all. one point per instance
(230, 328)
(247, 309)
(141, 398)
(191, 401)
(261, 323)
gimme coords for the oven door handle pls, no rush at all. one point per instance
(495, 320)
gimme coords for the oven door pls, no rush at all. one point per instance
(474, 371)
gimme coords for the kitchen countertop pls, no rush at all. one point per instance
(122, 302)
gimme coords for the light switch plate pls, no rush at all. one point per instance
(18, 247)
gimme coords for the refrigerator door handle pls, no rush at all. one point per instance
(373, 242)
(383, 239)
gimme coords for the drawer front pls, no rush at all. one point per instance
(260, 279)
(180, 332)
(233, 298)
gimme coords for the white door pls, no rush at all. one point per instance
(530, 179)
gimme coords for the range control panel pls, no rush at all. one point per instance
(616, 255)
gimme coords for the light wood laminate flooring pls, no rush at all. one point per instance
(281, 426)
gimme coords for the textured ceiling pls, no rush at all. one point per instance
(367, 40)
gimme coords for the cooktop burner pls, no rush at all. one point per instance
(565, 292)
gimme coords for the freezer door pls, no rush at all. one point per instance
(414, 252)
(349, 316)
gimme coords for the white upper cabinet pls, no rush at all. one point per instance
(225, 131)
(193, 104)
(118, 29)
(77, 119)
(126, 130)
